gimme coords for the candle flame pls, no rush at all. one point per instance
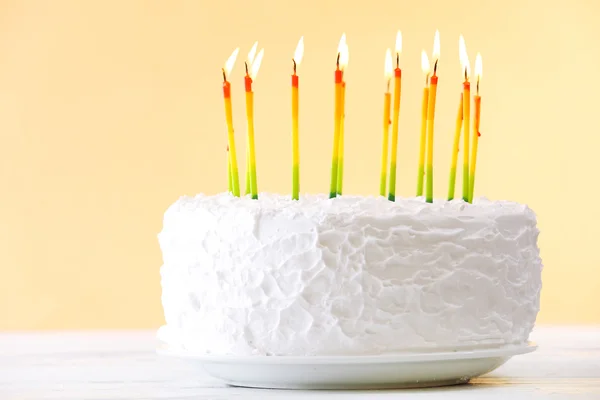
(478, 67)
(256, 64)
(342, 43)
(299, 51)
(252, 53)
(425, 62)
(230, 62)
(344, 57)
(435, 56)
(398, 43)
(387, 71)
(464, 57)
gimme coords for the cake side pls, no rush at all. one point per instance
(350, 275)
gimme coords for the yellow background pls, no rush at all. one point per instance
(110, 110)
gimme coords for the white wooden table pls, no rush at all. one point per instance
(123, 365)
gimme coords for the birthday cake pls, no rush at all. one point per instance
(347, 276)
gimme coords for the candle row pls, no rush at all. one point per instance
(390, 115)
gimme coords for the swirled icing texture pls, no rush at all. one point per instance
(347, 276)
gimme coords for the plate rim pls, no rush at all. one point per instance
(503, 351)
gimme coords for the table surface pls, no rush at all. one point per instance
(123, 365)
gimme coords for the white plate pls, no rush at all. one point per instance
(353, 372)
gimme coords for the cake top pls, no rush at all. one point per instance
(319, 205)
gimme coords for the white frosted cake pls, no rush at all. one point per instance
(347, 276)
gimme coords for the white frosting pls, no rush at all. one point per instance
(350, 275)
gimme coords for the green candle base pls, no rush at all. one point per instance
(334, 175)
(235, 180)
(452, 184)
(340, 177)
(429, 193)
(392, 184)
(421, 175)
(466, 190)
(295, 182)
(471, 188)
(253, 182)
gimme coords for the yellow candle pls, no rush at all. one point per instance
(340, 179)
(457, 129)
(235, 184)
(387, 73)
(248, 81)
(395, 118)
(464, 60)
(247, 191)
(295, 132)
(431, 117)
(250, 121)
(476, 134)
(336, 119)
(424, 105)
(229, 180)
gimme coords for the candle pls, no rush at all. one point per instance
(247, 191)
(295, 138)
(229, 180)
(464, 60)
(340, 177)
(344, 56)
(395, 118)
(476, 134)
(424, 105)
(235, 184)
(464, 116)
(431, 116)
(336, 119)
(387, 73)
(250, 77)
(457, 129)
(249, 60)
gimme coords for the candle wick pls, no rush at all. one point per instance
(435, 67)
(426, 79)
(294, 61)
(337, 61)
(397, 60)
(388, 85)
(466, 77)
(477, 86)
(246, 65)
(224, 75)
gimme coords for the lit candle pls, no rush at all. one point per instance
(395, 118)
(250, 77)
(336, 119)
(249, 60)
(343, 65)
(235, 185)
(464, 60)
(424, 105)
(476, 133)
(431, 116)
(387, 73)
(295, 138)
(340, 177)
(463, 116)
